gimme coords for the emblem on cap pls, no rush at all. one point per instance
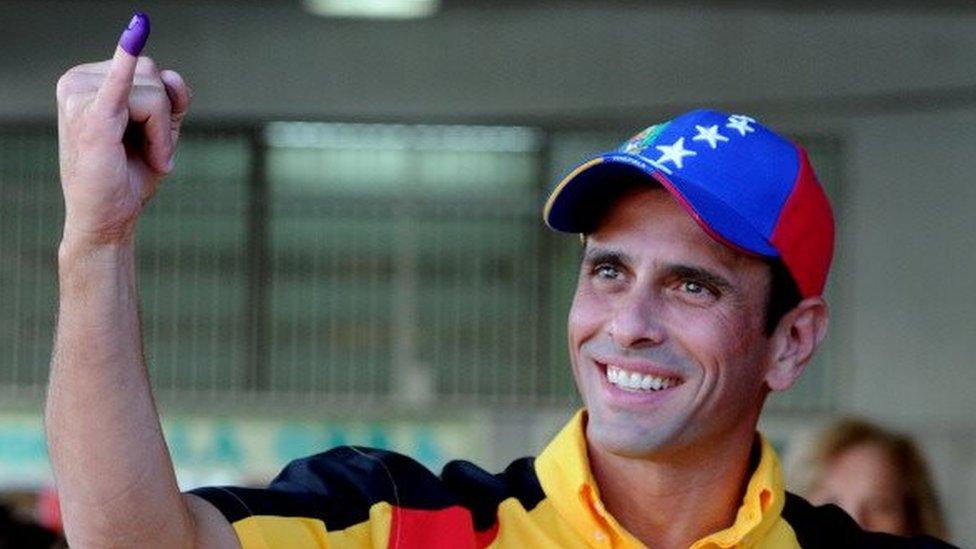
(636, 144)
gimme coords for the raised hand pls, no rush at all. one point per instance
(118, 125)
(119, 121)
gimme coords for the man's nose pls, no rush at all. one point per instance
(636, 321)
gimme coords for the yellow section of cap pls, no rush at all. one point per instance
(562, 184)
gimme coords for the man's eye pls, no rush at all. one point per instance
(607, 271)
(692, 287)
(696, 288)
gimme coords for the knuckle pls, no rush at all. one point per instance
(74, 104)
(61, 89)
(75, 86)
(147, 65)
(151, 100)
(65, 85)
(160, 104)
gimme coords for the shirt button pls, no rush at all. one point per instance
(599, 536)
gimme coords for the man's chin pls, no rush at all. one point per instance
(624, 438)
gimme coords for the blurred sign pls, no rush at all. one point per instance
(232, 451)
(23, 452)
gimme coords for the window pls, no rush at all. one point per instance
(402, 265)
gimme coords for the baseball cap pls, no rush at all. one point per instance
(746, 186)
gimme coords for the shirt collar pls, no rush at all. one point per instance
(564, 472)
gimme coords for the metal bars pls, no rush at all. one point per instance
(334, 264)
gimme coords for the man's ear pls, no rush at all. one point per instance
(796, 338)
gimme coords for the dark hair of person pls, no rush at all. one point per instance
(783, 294)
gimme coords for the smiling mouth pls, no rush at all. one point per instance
(637, 382)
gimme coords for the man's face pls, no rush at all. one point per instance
(666, 331)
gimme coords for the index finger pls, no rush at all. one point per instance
(114, 91)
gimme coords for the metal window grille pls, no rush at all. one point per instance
(30, 209)
(335, 265)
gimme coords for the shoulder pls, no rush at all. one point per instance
(482, 492)
(342, 485)
(382, 475)
(353, 471)
(830, 526)
(338, 487)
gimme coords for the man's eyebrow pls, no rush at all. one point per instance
(596, 254)
(697, 273)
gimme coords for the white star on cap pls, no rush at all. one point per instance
(674, 153)
(743, 117)
(709, 134)
(657, 164)
(740, 123)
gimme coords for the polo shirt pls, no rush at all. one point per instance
(369, 498)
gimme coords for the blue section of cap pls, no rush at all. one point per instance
(732, 172)
(573, 209)
(724, 220)
(745, 166)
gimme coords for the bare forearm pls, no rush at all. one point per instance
(112, 468)
(115, 477)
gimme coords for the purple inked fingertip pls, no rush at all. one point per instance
(134, 36)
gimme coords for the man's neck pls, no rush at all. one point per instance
(672, 502)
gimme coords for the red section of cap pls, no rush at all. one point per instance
(804, 234)
(447, 528)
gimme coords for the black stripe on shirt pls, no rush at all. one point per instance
(340, 486)
(828, 526)
(482, 492)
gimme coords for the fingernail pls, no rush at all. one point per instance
(134, 36)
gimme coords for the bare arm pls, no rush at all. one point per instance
(111, 463)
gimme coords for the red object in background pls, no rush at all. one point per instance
(49, 510)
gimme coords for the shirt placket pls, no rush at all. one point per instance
(602, 532)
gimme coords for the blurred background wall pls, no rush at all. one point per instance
(350, 249)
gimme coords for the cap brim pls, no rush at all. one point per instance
(579, 201)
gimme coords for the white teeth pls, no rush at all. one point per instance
(634, 381)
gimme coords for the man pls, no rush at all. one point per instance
(707, 246)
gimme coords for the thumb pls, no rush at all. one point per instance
(113, 95)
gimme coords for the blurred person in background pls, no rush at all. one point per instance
(878, 477)
(708, 240)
